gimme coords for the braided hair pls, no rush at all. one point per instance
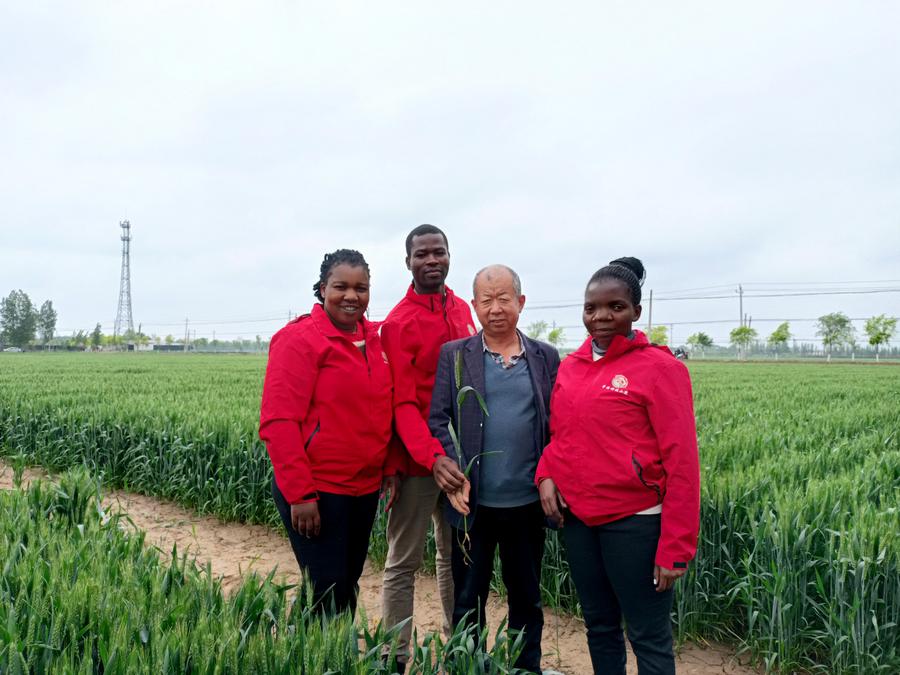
(343, 256)
(630, 271)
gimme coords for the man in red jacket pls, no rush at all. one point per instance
(412, 335)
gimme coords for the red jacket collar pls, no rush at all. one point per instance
(433, 302)
(328, 329)
(619, 345)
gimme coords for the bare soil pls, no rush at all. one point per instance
(234, 549)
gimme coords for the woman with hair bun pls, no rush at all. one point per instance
(621, 475)
(326, 420)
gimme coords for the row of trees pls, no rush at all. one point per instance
(835, 329)
(23, 325)
(541, 330)
(96, 340)
(21, 321)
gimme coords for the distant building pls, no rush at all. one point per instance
(172, 348)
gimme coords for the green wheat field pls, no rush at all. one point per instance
(799, 558)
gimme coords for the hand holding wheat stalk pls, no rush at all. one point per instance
(460, 499)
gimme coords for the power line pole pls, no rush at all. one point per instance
(124, 319)
(650, 313)
(187, 335)
(741, 301)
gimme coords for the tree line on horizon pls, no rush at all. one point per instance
(23, 325)
(836, 330)
(21, 322)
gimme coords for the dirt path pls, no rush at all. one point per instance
(234, 549)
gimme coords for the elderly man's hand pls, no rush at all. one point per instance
(459, 499)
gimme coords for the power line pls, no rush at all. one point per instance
(377, 313)
(378, 310)
(806, 293)
(573, 327)
(571, 304)
(823, 283)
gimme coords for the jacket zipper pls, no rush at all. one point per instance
(312, 436)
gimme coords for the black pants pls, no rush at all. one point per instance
(612, 567)
(519, 532)
(333, 561)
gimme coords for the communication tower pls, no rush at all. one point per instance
(124, 321)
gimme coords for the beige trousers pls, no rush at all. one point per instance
(421, 502)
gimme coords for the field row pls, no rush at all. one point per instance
(799, 558)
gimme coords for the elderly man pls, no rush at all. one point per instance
(497, 504)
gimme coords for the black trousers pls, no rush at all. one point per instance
(519, 532)
(612, 567)
(333, 561)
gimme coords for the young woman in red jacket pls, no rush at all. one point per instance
(621, 475)
(326, 421)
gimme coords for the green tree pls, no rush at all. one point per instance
(779, 337)
(659, 335)
(742, 337)
(79, 339)
(46, 322)
(170, 340)
(18, 320)
(536, 329)
(880, 329)
(96, 337)
(836, 330)
(557, 337)
(699, 342)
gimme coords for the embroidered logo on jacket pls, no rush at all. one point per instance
(620, 382)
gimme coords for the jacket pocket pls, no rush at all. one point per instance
(649, 484)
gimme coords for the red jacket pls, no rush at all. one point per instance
(413, 334)
(624, 438)
(326, 409)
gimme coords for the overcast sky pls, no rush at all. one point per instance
(722, 143)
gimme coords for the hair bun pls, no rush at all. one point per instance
(634, 265)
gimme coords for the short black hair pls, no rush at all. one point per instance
(630, 271)
(343, 256)
(424, 229)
